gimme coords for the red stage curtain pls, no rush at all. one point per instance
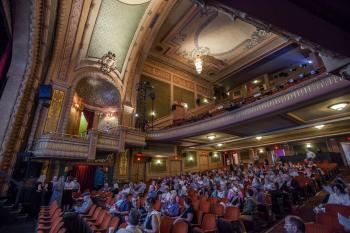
(89, 116)
(85, 175)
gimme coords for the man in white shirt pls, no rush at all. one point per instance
(133, 221)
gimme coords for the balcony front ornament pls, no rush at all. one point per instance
(108, 62)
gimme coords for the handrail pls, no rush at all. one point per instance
(19, 185)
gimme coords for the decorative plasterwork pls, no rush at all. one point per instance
(111, 26)
(232, 42)
(98, 92)
(167, 74)
(70, 38)
(54, 113)
(305, 91)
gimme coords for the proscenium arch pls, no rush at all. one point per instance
(81, 74)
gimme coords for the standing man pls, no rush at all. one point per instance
(310, 156)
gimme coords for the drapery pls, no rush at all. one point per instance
(85, 175)
(89, 116)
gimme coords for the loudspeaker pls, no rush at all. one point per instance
(45, 92)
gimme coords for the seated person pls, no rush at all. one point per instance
(173, 208)
(133, 221)
(339, 196)
(84, 207)
(294, 224)
(249, 207)
(124, 206)
(152, 221)
(189, 213)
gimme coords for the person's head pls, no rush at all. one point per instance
(149, 203)
(250, 193)
(173, 199)
(86, 196)
(338, 189)
(125, 196)
(187, 202)
(294, 224)
(134, 217)
(54, 178)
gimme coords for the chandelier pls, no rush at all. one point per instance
(196, 56)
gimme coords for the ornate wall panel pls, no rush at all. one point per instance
(123, 164)
(70, 38)
(54, 113)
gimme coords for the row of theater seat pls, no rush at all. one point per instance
(328, 222)
(50, 219)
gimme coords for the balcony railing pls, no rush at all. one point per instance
(61, 145)
(57, 145)
(307, 90)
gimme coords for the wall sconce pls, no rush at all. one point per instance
(308, 145)
(158, 161)
(190, 158)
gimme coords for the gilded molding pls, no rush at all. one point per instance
(54, 113)
(70, 38)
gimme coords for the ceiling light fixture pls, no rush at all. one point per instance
(211, 137)
(319, 126)
(308, 145)
(339, 106)
(258, 137)
(256, 81)
(196, 55)
(219, 145)
(261, 150)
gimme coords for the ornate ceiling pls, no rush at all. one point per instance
(116, 24)
(233, 43)
(98, 92)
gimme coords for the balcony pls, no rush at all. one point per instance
(64, 146)
(294, 95)
(61, 146)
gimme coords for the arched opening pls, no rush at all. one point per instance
(95, 106)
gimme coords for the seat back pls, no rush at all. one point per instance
(180, 227)
(114, 222)
(106, 220)
(157, 205)
(166, 224)
(56, 226)
(205, 207)
(208, 222)
(317, 228)
(92, 210)
(96, 213)
(101, 217)
(334, 209)
(232, 213)
(330, 221)
(218, 210)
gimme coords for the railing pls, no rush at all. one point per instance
(59, 145)
(313, 88)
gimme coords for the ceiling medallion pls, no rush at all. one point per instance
(257, 37)
(108, 62)
(196, 55)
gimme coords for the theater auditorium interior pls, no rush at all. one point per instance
(174, 116)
